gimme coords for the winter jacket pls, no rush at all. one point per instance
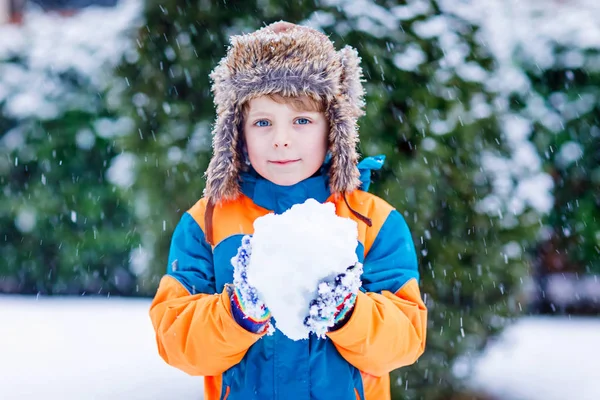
(195, 330)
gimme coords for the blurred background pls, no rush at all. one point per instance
(488, 113)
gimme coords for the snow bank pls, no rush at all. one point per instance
(84, 348)
(542, 358)
(294, 251)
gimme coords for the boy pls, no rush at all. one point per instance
(287, 106)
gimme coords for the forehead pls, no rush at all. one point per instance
(261, 102)
(275, 101)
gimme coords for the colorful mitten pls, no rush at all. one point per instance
(247, 308)
(334, 303)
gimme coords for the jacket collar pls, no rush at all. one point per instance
(279, 199)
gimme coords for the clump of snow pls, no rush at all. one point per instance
(411, 9)
(569, 153)
(85, 139)
(517, 180)
(319, 19)
(26, 220)
(370, 17)
(428, 144)
(108, 128)
(513, 250)
(410, 59)
(12, 140)
(140, 260)
(292, 253)
(434, 26)
(536, 191)
(122, 170)
(472, 72)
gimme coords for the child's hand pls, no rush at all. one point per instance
(246, 306)
(335, 302)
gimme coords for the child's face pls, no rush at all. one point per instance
(284, 145)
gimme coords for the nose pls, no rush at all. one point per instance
(281, 139)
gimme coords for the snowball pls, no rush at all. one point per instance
(295, 251)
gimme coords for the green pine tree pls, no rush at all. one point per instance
(567, 137)
(65, 228)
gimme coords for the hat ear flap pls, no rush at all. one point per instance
(343, 114)
(351, 81)
(224, 166)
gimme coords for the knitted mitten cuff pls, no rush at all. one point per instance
(258, 323)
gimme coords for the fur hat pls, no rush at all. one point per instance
(289, 60)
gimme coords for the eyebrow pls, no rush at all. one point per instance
(259, 113)
(254, 114)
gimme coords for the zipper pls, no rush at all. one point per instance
(357, 394)
(227, 389)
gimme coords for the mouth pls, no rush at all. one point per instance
(284, 162)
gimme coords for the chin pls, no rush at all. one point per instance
(286, 180)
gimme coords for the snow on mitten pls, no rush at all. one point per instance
(247, 308)
(334, 302)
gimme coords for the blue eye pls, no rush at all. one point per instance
(262, 123)
(302, 121)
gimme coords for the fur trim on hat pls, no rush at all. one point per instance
(289, 60)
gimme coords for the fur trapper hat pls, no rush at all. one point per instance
(289, 60)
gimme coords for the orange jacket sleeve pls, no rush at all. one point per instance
(387, 329)
(195, 330)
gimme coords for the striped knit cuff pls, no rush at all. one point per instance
(344, 312)
(240, 312)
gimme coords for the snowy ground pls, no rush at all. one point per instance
(544, 358)
(80, 349)
(104, 349)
